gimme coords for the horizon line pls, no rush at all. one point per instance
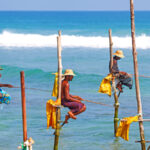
(72, 10)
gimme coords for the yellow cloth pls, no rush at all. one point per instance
(51, 112)
(123, 129)
(105, 86)
(55, 87)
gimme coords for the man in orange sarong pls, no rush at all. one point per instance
(73, 102)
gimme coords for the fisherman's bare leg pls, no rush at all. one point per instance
(81, 110)
(73, 112)
(66, 118)
(71, 115)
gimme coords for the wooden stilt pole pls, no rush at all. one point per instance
(116, 105)
(111, 51)
(116, 119)
(136, 74)
(58, 112)
(23, 106)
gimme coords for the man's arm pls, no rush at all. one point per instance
(123, 73)
(6, 85)
(67, 96)
(76, 97)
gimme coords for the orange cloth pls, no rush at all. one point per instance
(51, 112)
(123, 129)
(55, 87)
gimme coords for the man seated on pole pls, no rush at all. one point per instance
(71, 101)
(122, 78)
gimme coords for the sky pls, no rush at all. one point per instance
(65, 5)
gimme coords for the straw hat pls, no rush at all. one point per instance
(119, 53)
(69, 72)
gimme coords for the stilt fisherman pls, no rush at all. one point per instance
(122, 78)
(73, 102)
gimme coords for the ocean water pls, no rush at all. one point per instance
(28, 43)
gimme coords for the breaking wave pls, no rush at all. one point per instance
(9, 39)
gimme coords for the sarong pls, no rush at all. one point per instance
(73, 106)
(126, 80)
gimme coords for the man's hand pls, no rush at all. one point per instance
(80, 98)
(78, 101)
(77, 97)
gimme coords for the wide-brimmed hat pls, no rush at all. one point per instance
(119, 53)
(69, 72)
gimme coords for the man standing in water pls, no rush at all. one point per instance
(71, 101)
(122, 78)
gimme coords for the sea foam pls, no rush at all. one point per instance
(9, 39)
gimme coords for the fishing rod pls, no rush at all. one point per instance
(96, 103)
(99, 103)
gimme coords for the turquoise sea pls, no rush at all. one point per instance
(28, 43)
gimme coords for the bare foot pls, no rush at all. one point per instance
(71, 115)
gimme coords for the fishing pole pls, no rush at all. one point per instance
(96, 103)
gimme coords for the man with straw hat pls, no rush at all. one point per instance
(4, 97)
(71, 101)
(123, 78)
